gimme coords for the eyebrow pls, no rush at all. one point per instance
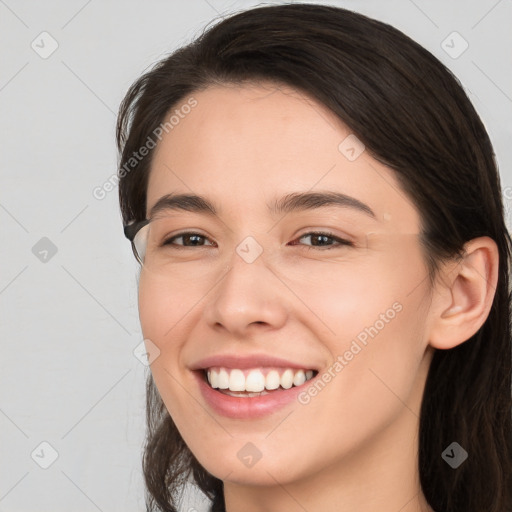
(286, 204)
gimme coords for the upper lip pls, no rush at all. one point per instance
(248, 361)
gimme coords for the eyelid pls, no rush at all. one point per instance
(340, 240)
(328, 232)
(177, 235)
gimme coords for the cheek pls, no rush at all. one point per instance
(165, 305)
(371, 317)
(152, 300)
(343, 299)
(375, 375)
(381, 338)
(166, 315)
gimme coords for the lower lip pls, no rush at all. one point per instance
(247, 407)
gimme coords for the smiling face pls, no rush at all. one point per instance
(300, 297)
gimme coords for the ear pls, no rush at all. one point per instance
(464, 294)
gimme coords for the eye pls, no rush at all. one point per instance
(194, 239)
(189, 236)
(322, 237)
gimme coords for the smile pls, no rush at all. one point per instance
(236, 400)
(255, 381)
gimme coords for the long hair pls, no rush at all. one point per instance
(412, 115)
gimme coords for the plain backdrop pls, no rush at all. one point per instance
(72, 389)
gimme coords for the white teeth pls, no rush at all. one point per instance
(237, 380)
(272, 381)
(213, 379)
(255, 381)
(299, 378)
(287, 379)
(223, 379)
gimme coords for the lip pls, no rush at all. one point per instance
(248, 361)
(247, 407)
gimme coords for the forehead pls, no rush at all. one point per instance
(245, 146)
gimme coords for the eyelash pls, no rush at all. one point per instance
(341, 241)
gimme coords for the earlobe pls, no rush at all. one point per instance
(462, 303)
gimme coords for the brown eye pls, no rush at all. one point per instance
(319, 240)
(194, 239)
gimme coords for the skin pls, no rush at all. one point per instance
(354, 445)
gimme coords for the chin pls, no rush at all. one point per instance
(265, 471)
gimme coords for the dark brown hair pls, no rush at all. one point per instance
(412, 115)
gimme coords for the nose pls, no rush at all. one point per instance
(249, 296)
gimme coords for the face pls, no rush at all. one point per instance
(257, 281)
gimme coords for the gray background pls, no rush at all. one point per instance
(68, 297)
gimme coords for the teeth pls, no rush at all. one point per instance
(237, 381)
(273, 380)
(255, 381)
(287, 379)
(223, 379)
(299, 378)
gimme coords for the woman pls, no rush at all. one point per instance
(324, 288)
